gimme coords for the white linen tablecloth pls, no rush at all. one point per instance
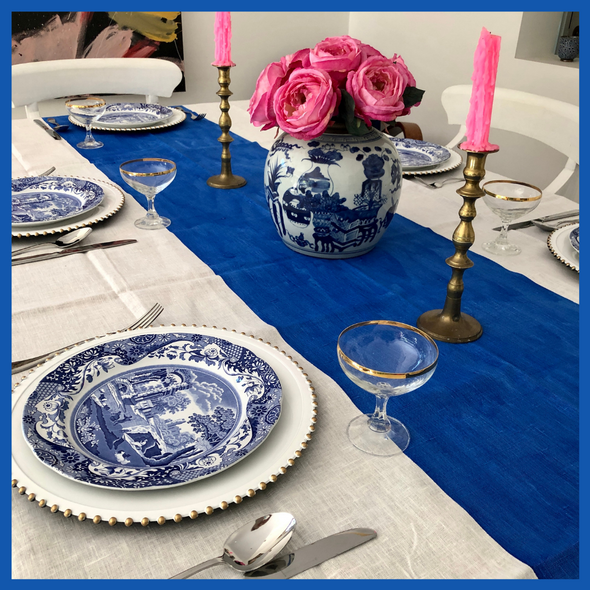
(422, 533)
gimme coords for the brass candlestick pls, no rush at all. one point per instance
(226, 179)
(449, 324)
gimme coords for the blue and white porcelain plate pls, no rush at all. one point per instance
(152, 410)
(415, 154)
(133, 114)
(42, 200)
(575, 238)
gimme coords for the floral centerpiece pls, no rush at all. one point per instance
(340, 80)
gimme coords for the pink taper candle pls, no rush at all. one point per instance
(223, 40)
(485, 67)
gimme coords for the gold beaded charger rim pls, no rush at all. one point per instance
(112, 203)
(559, 245)
(45, 487)
(178, 117)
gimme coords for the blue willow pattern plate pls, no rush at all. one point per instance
(41, 200)
(575, 238)
(153, 410)
(133, 114)
(416, 154)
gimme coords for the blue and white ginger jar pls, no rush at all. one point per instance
(333, 196)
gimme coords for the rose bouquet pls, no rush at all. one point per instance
(339, 80)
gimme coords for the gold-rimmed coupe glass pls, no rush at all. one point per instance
(149, 176)
(86, 110)
(385, 358)
(509, 200)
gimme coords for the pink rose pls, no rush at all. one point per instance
(337, 56)
(377, 88)
(305, 104)
(410, 80)
(368, 51)
(261, 104)
(272, 77)
(299, 59)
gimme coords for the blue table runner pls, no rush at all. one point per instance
(496, 427)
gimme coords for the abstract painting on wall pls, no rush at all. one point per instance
(40, 36)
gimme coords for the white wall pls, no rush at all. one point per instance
(437, 47)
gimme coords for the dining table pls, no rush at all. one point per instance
(488, 487)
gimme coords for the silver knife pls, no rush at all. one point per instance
(24, 259)
(528, 223)
(49, 130)
(298, 561)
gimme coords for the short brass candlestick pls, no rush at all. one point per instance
(449, 324)
(226, 179)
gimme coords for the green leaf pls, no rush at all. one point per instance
(354, 125)
(412, 95)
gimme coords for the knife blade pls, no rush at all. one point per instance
(553, 217)
(291, 564)
(49, 130)
(100, 246)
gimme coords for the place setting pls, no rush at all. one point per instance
(48, 205)
(133, 117)
(157, 424)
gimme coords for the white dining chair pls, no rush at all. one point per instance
(552, 122)
(39, 81)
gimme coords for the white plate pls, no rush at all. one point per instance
(273, 458)
(177, 117)
(113, 201)
(453, 162)
(152, 410)
(45, 200)
(561, 247)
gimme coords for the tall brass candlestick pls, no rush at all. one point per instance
(449, 324)
(226, 179)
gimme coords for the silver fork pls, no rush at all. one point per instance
(57, 126)
(142, 322)
(438, 184)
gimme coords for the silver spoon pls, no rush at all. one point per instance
(67, 240)
(252, 545)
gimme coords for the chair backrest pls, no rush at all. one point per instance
(38, 81)
(552, 122)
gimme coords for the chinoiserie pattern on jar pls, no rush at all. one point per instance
(333, 196)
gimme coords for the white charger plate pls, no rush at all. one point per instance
(112, 202)
(560, 245)
(177, 117)
(287, 440)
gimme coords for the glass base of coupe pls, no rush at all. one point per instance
(332, 179)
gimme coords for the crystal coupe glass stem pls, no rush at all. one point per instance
(87, 110)
(509, 200)
(149, 176)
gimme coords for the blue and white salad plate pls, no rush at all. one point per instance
(575, 238)
(43, 200)
(152, 410)
(133, 114)
(415, 154)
